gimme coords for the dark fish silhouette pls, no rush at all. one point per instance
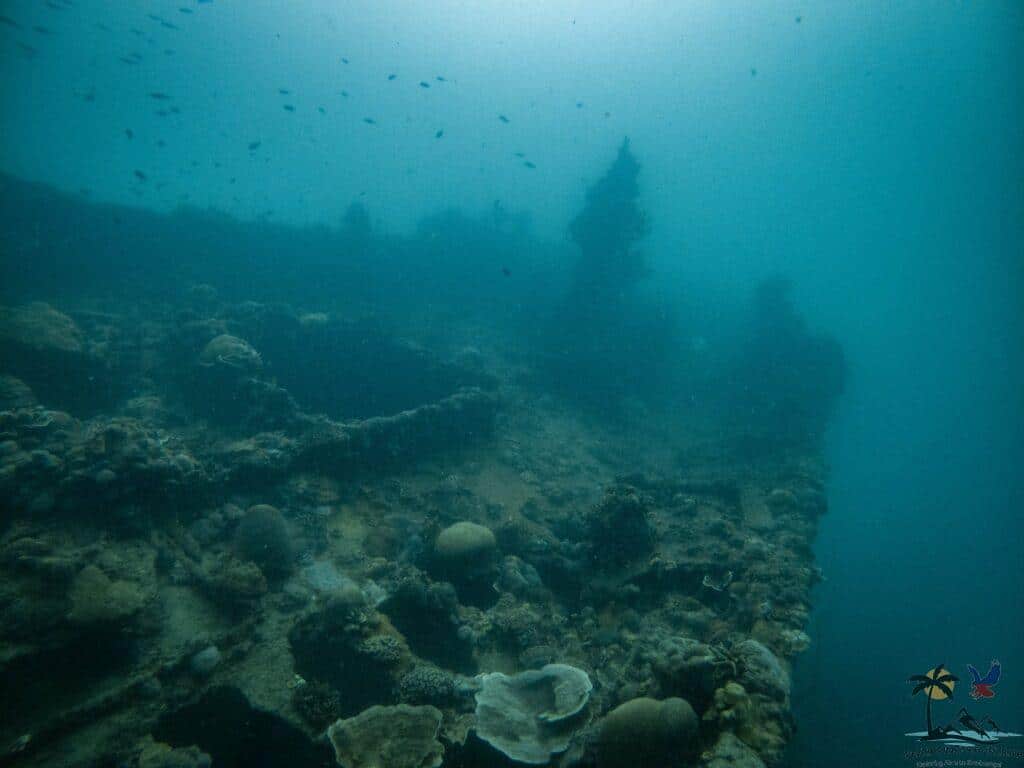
(424, 84)
(7, 20)
(439, 134)
(159, 96)
(140, 175)
(441, 79)
(519, 154)
(506, 272)
(344, 60)
(28, 50)
(254, 145)
(289, 108)
(344, 94)
(753, 71)
(579, 105)
(284, 91)
(321, 110)
(799, 19)
(528, 164)
(392, 77)
(168, 25)
(129, 133)
(981, 687)
(41, 30)
(503, 118)
(184, 10)
(369, 121)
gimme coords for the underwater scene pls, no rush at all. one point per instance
(477, 384)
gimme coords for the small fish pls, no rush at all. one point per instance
(159, 96)
(344, 60)
(161, 143)
(126, 60)
(369, 121)
(168, 51)
(392, 77)
(344, 94)
(140, 175)
(284, 91)
(184, 10)
(799, 19)
(439, 134)
(204, 2)
(753, 71)
(321, 110)
(129, 133)
(232, 180)
(175, 110)
(41, 30)
(289, 108)
(503, 118)
(28, 50)
(441, 79)
(519, 154)
(528, 164)
(579, 105)
(169, 25)
(153, 17)
(254, 145)
(506, 272)
(424, 84)
(8, 21)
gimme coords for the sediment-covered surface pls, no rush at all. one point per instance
(213, 561)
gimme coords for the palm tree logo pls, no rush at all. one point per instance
(937, 684)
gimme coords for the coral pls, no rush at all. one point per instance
(426, 684)
(262, 537)
(686, 667)
(532, 715)
(98, 600)
(231, 351)
(647, 732)
(396, 737)
(41, 327)
(761, 671)
(465, 544)
(618, 528)
(235, 583)
(387, 650)
(50, 353)
(155, 754)
(757, 721)
(730, 752)
(204, 662)
(317, 703)
(14, 393)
